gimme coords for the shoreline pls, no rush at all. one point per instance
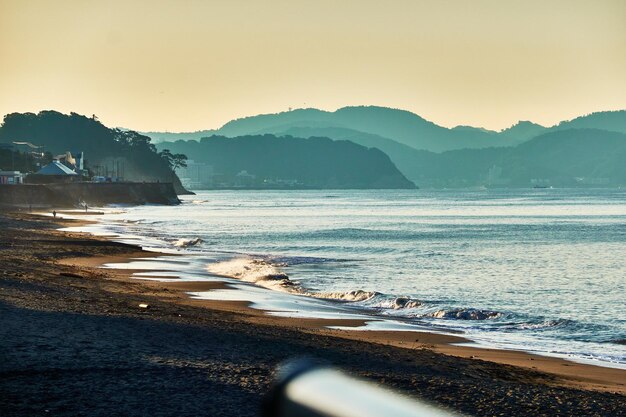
(596, 376)
(493, 370)
(156, 253)
(570, 373)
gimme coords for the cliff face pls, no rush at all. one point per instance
(93, 194)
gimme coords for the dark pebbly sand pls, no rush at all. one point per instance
(73, 341)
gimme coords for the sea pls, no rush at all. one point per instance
(538, 270)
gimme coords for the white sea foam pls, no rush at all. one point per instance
(185, 243)
(405, 302)
(269, 275)
(389, 302)
(256, 271)
(465, 314)
(356, 295)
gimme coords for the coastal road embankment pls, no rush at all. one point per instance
(80, 193)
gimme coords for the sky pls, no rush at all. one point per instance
(190, 65)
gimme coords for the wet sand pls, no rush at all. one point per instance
(75, 341)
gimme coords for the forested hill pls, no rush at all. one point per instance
(562, 158)
(267, 161)
(402, 126)
(113, 151)
(385, 125)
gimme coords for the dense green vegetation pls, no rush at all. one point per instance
(13, 160)
(107, 151)
(267, 161)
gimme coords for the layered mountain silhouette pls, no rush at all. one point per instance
(401, 126)
(354, 147)
(398, 125)
(563, 158)
(432, 155)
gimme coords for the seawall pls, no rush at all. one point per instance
(93, 194)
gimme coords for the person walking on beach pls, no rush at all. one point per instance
(54, 213)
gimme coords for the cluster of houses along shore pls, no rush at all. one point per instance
(68, 167)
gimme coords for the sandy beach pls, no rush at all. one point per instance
(76, 342)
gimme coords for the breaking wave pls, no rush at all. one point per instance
(256, 271)
(465, 314)
(185, 243)
(396, 303)
(268, 274)
(357, 295)
(405, 302)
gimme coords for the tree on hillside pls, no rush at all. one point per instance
(14, 160)
(130, 139)
(174, 161)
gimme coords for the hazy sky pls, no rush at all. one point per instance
(190, 65)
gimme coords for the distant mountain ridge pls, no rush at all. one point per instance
(400, 126)
(562, 158)
(308, 148)
(524, 130)
(613, 121)
(420, 165)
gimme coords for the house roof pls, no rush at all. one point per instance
(55, 168)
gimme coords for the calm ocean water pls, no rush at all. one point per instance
(538, 270)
